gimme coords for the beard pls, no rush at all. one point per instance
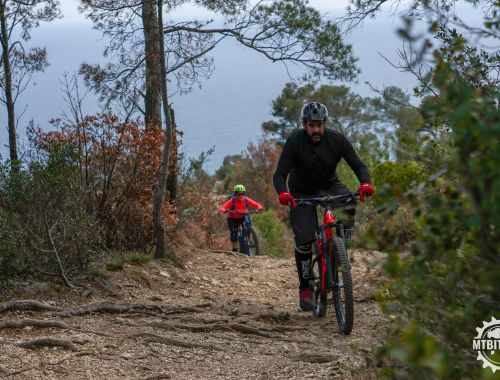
(316, 138)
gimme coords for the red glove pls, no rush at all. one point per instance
(365, 190)
(287, 199)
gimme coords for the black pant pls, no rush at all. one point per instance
(233, 225)
(304, 218)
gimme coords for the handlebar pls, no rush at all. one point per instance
(243, 212)
(326, 199)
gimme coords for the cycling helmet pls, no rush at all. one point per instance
(314, 111)
(239, 188)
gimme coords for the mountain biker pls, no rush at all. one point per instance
(309, 160)
(237, 202)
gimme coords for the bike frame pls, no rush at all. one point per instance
(243, 230)
(324, 236)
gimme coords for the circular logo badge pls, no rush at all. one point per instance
(487, 344)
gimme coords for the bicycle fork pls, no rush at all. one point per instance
(326, 250)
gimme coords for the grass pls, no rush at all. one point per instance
(138, 258)
(97, 273)
(119, 259)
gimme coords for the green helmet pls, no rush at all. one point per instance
(239, 188)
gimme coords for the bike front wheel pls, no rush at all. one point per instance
(253, 242)
(343, 299)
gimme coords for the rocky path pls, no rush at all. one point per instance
(222, 316)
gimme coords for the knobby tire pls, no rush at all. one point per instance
(344, 308)
(253, 241)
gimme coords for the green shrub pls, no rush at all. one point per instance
(44, 210)
(271, 233)
(10, 251)
(138, 258)
(119, 259)
(448, 286)
(392, 179)
(97, 273)
(116, 262)
(394, 228)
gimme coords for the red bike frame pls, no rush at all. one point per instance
(328, 217)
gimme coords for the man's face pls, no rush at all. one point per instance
(240, 194)
(315, 129)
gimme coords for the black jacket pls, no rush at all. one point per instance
(312, 167)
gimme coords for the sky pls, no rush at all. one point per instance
(228, 109)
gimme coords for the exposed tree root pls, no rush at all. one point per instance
(172, 342)
(47, 342)
(108, 307)
(100, 307)
(236, 254)
(98, 356)
(277, 317)
(41, 323)
(17, 372)
(172, 311)
(244, 329)
(22, 323)
(31, 305)
(316, 357)
(285, 328)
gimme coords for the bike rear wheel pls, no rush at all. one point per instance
(343, 300)
(319, 296)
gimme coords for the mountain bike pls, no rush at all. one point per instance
(330, 269)
(247, 235)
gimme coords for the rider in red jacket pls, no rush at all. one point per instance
(238, 203)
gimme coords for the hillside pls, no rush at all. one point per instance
(216, 316)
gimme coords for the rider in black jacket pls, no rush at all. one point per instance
(309, 160)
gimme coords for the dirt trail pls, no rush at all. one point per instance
(220, 317)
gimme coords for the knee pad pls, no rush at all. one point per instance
(304, 248)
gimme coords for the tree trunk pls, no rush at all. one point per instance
(160, 189)
(152, 35)
(173, 167)
(9, 101)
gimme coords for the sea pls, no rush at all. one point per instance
(226, 111)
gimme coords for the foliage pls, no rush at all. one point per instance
(115, 263)
(86, 184)
(255, 169)
(198, 203)
(272, 233)
(369, 123)
(97, 273)
(9, 249)
(120, 258)
(48, 226)
(18, 62)
(287, 31)
(365, 121)
(393, 179)
(118, 164)
(350, 112)
(440, 293)
(138, 258)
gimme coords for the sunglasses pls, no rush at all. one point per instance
(240, 193)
